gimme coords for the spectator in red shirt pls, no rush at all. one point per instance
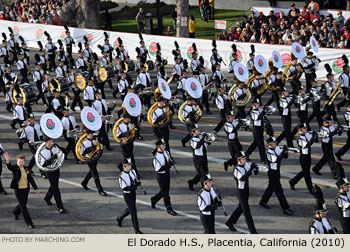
(304, 15)
(2, 16)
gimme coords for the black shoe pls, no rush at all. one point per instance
(230, 226)
(317, 172)
(288, 212)
(84, 187)
(16, 216)
(209, 112)
(62, 210)
(190, 185)
(172, 212)
(140, 138)
(114, 95)
(30, 226)
(109, 148)
(20, 146)
(138, 232)
(264, 205)
(119, 221)
(338, 107)
(292, 186)
(3, 192)
(338, 156)
(13, 126)
(183, 143)
(172, 127)
(102, 193)
(48, 202)
(73, 109)
(225, 166)
(153, 203)
(44, 176)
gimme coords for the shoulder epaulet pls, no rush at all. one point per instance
(200, 192)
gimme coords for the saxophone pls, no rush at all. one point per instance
(333, 95)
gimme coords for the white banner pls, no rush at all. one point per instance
(35, 32)
(266, 11)
(220, 24)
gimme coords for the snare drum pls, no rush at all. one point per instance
(27, 91)
(59, 83)
(130, 65)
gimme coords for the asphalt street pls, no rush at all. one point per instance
(89, 213)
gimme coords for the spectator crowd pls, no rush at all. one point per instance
(54, 12)
(297, 26)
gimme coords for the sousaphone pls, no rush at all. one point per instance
(242, 75)
(164, 90)
(91, 120)
(193, 89)
(132, 105)
(52, 127)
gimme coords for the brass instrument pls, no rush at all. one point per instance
(88, 65)
(132, 133)
(197, 116)
(293, 150)
(94, 155)
(270, 110)
(209, 137)
(239, 103)
(56, 164)
(10, 54)
(333, 95)
(268, 73)
(285, 72)
(251, 78)
(165, 121)
(170, 79)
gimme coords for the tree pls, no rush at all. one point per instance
(182, 11)
(88, 14)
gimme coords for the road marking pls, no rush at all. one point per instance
(141, 202)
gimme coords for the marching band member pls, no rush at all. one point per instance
(127, 148)
(4, 52)
(285, 103)
(293, 72)
(105, 63)
(315, 92)
(80, 62)
(61, 70)
(320, 224)
(233, 62)
(143, 52)
(182, 85)
(38, 77)
(51, 53)
(257, 115)
(239, 95)
(250, 63)
(189, 113)
(2, 190)
(328, 88)
(177, 70)
(275, 82)
(87, 146)
(195, 64)
(69, 41)
(19, 113)
(32, 135)
(161, 130)
(46, 89)
(275, 154)
(204, 81)
(255, 87)
(215, 58)
(344, 79)
(162, 163)
(48, 155)
(304, 142)
(241, 174)
(23, 69)
(343, 204)
(69, 124)
(75, 89)
(13, 44)
(207, 203)
(42, 61)
(122, 87)
(199, 146)
(107, 47)
(128, 183)
(223, 104)
(100, 105)
(218, 76)
(8, 98)
(309, 67)
(89, 93)
(231, 128)
(57, 104)
(346, 147)
(327, 132)
(302, 113)
(143, 82)
(20, 183)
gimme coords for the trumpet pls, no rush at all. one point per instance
(270, 110)
(293, 150)
(245, 122)
(209, 137)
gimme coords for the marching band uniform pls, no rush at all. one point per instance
(19, 115)
(346, 147)
(89, 94)
(215, 59)
(57, 105)
(285, 104)
(302, 112)
(274, 158)
(69, 44)
(309, 68)
(221, 103)
(48, 155)
(320, 225)
(195, 66)
(239, 95)
(327, 148)
(123, 86)
(204, 81)
(76, 91)
(61, 71)
(162, 163)
(86, 147)
(218, 77)
(182, 85)
(189, 113)
(207, 203)
(250, 65)
(4, 53)
(51, 53)
(234, 146)
(23, 69)
(12, 47)
(21, 178)
(177, 70)
(257, 115)
(43, 61)
(241, 175)
(144, 81)
(294, 83)
(69, 123)
(80, 63)
(100, 105)
(344, 79)
(256, 85)
(328, 88)
(343, 204)
(315, 91)
(304, 142)
(38, 79)
(275, 82)
(161, 130)
(128, 184)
